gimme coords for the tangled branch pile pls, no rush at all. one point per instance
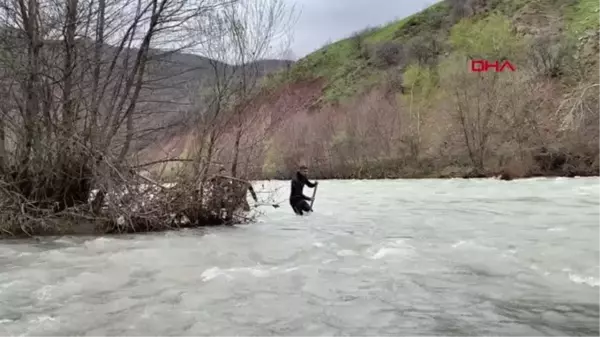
(63, 202)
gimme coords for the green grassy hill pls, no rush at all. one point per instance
(400, 100)
(359, 62)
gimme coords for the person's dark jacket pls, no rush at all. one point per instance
(298, 182)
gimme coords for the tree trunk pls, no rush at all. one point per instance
(236, 152)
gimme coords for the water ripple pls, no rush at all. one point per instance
(406, 257)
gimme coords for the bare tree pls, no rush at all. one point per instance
(477, 104)
(249, 31)
(235, 40)
(73, 79)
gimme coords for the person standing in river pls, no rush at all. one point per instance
(297, 198)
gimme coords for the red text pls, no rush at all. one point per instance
(479, 66)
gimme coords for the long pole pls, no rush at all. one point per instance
(312, 201)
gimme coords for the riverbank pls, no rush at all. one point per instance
(450, 172)
(541, 162)
(499, 176)
(60, 225)
(140, 216)
(80, 225)
(138, 208)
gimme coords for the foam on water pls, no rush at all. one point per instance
(241, 272)
(388, 249)
(589, 280)
(346, 252)
(431, 257)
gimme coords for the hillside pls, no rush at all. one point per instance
(174, 83)
(400, 101)
(168, 102)
(356, 64)
(178, 80)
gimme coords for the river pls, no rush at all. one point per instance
(404, 257)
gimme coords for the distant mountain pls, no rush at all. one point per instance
(174, 85)
(168, 101)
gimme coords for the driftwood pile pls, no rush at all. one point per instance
(130, 205)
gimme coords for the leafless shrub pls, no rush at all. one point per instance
(552, 56)
(394, 80)
(389, 54)
(424, 49)
(579, 113)
(460, 9)
(268, 23)
(482, 104)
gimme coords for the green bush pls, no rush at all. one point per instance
(432, 19)
(492, 38)
(422, 80)
(583, 17)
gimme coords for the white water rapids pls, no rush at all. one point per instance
(405, 257)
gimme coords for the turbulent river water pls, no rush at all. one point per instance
(406, 257)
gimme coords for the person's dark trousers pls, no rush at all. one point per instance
(300, 206)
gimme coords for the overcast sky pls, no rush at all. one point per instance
(321, 21)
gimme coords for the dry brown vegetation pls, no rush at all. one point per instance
(77, 87)
(484, 127)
